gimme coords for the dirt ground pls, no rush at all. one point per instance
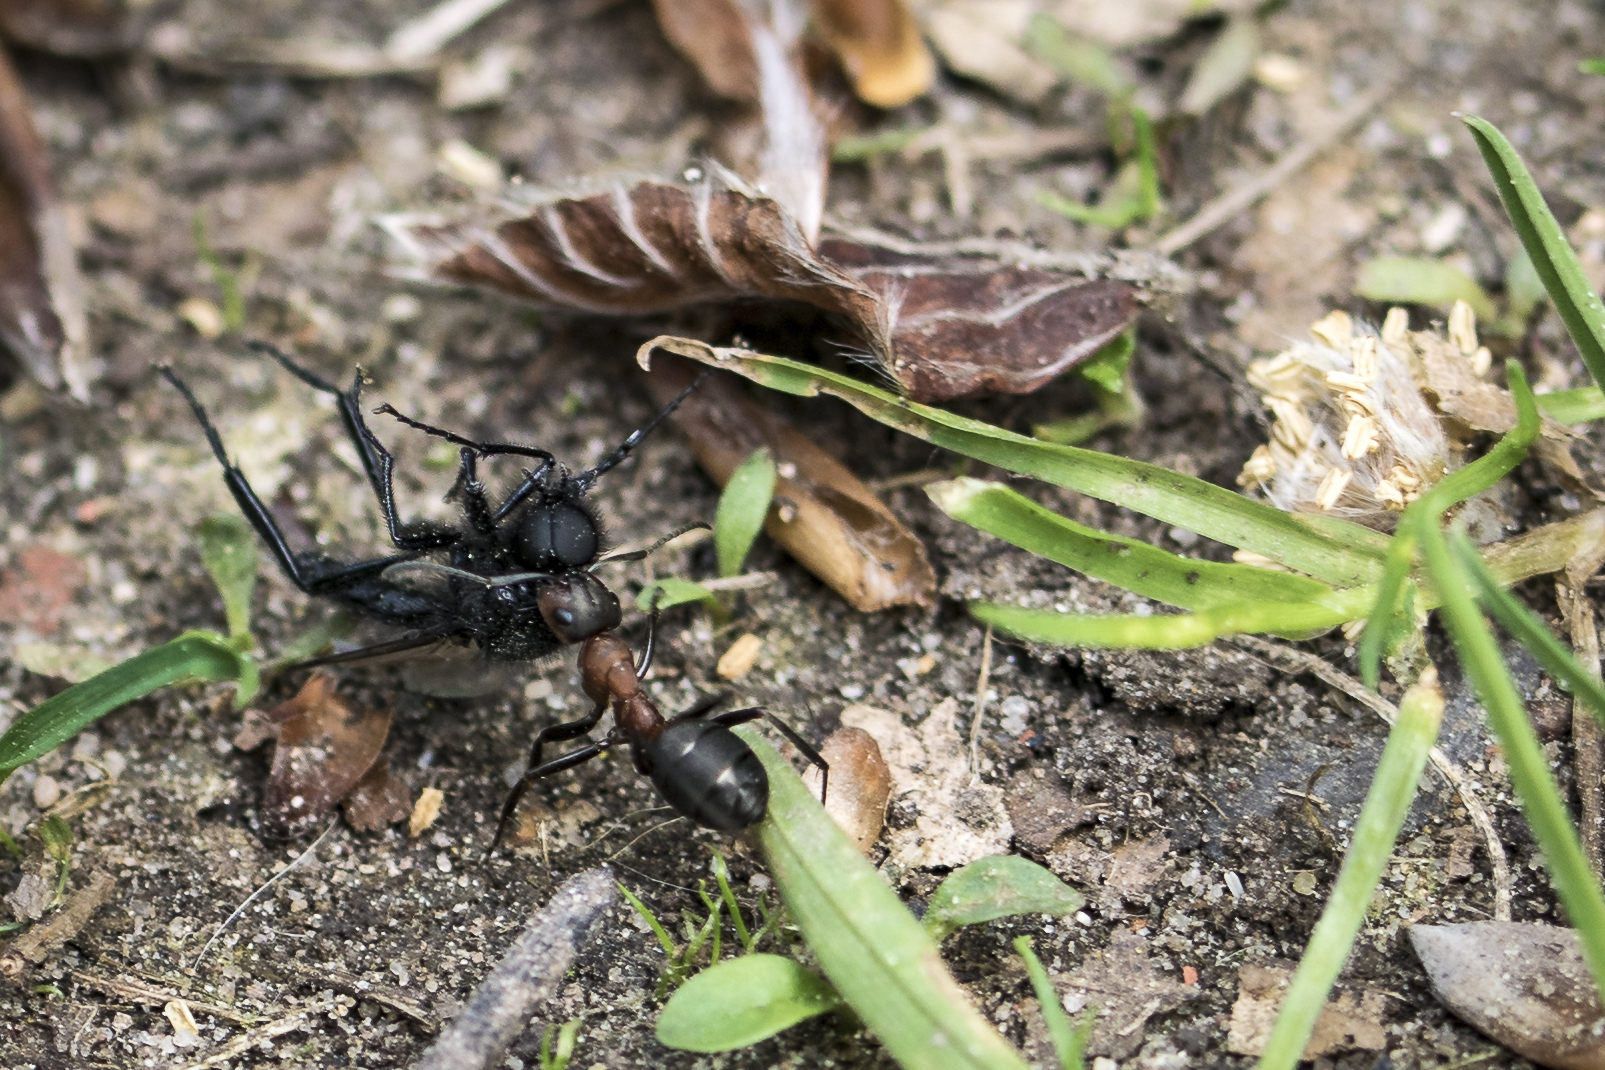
(1175, 777)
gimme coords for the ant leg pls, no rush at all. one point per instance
(486, 449)
(350, 410)
(586, 479)
(556, 765)
(376, 460)
(651, 637)
(256, 513)
(815, 759)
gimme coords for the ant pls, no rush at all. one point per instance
(701, 768)
(519, 582)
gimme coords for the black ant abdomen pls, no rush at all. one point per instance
(707, 773)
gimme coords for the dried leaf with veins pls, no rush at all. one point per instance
(940, 327)
(823, 515)
(1525, 985)
(326, 746)
(42, 314)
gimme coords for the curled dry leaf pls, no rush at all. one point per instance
(960, 818)
(823, 515)
(860, 784)
(941, 327)
(879, 45)
(1525, 985)
(43, 321)
(325, 747)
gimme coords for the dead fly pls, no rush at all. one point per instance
(517, 578)
(701, 768)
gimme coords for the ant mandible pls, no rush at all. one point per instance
(702, 769)
(518, 581)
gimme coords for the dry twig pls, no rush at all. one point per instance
(526, 977)
(33, 945)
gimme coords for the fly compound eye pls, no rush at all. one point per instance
(557, 536)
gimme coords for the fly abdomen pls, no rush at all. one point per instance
(708, 774)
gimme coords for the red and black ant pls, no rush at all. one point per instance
(518, 582)
(702, 769)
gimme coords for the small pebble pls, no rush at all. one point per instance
(740, 658)
(46, 792)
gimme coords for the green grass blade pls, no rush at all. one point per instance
(738, 1002)
(1337, 552)
(1386, 804)
(880, 959)
(997, 887)
(1498, 462)
(1421, 281)
(1526, 627)
(1068, 1041)
(1129, 563)
(192, 656)
(1383, 625)
(1079, 60)
(228, 550)
(1570, 873)
(1552, 256)
(1574, 406)
(1166, 631)
(869, 146)
(742, 508)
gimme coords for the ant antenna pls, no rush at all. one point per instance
(586, 479)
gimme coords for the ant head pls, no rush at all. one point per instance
(556, 535)
(577, 606)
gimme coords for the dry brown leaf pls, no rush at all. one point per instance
(940, 327)
(960, 819)
(860, 784)
(42, 313)
(824, 516)
(1525, 985)
(67, 27)
(325, 747)
(715, 36)
(879, 45)
(1346, 1023)
(379, 799)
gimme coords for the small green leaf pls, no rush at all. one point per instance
(1552, 256)
(567, 1034)
(192, 656)
(1077, 59)
(1574, 406)
(675, 593)
(1419, 281)
(742, 508)
(56, 835)
(1592, 66)
(1107, 367)
(228, 550)
(997, 887)
(739, 1002)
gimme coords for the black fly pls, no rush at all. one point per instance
(516, 580)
